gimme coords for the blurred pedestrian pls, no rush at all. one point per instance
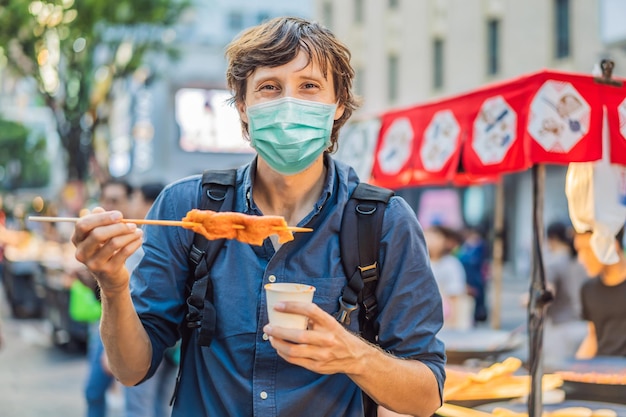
(603, 300)
(564, 327)
(114, 195)
(472, 252)
(450, 277)
(151, 397)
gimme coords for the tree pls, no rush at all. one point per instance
(76, 49)
(23, 162)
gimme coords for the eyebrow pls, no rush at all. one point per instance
(270, 77)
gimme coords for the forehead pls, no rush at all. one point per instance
(113, 190)
(433, 234)
(302, 65)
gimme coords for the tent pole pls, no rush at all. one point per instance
(498, 255)
(539, 296)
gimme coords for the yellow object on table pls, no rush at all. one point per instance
(495, 382)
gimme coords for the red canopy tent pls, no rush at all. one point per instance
(544, 117)
(548, 117)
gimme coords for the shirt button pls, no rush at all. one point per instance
(271, 278)
(263, 395)
(265, 336)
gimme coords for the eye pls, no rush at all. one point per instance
(268, 87)
(310, 85)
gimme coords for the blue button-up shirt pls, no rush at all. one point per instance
(240, 374)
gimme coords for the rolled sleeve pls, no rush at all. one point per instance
(158, 282)
(411, 312)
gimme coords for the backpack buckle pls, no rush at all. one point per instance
(196, 255)
(368, 267)
(369, 272)
(345, 309)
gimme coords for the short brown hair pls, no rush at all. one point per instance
(277, 42)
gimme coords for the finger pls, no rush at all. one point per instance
(317, 318)
(311, 310)
(120, 257)
(101, 243)
(86, 224)
(300, 340)
(291, 348)
(302, 355)
(107, 242)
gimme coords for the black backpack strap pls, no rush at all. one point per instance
(362, 221)
(201, 312)
(217, 195)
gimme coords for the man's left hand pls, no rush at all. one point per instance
(326, 347)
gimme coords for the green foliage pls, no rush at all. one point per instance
(23, 160)
(75, 49)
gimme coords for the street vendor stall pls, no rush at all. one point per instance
(548, 117)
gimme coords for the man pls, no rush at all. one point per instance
(602, 300)
(116, 195)
(143, 198)
(291, 81)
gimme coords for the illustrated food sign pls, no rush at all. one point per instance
(357, 145)
(547, 117)
(494, 130)
(396, 148)
(440, 141)
(559, 117)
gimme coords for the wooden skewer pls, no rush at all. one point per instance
(155, 222)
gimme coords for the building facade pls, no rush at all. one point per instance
(408, 52)
(180, 123)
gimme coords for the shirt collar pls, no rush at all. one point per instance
(248, 180)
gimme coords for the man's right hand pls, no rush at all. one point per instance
(103, 243)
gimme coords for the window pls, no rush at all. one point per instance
(235, 21)
(561, 22)
(438, 63)
(327, 14)
(262, 17)
(358, 11)
(206, 123)
(493, 46)
(392, 83)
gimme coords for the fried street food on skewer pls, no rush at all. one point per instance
(217, 225)
(232, 225)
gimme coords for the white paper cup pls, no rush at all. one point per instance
(280, 292)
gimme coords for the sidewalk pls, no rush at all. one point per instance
(38, 379)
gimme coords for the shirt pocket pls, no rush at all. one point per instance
(328, 290)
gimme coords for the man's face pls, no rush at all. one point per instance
(113, 197)
(139, 205)
(295, 79)
(586, 257)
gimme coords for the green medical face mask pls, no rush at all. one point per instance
(289, 134)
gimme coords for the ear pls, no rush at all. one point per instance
(339, 112)
(241, 108)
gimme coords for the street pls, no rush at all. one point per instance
(38, 379)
